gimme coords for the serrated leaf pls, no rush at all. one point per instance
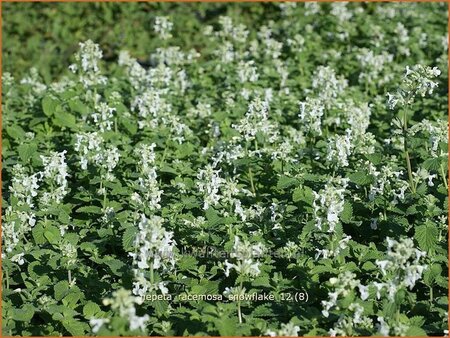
(49, 104)
(24, 314)
(52, 234)
(90, 310)
(65, 119)
(347, 214)
(61, 289)
(74, 327)
(433, 163)
(415, 331)
(426, 235)
(115, 265)
(360, 178)
(285, 182)
(128, 238)
(15, 131)
(38, 234)
(431, 273)
(26, 151)
(375, 158)
(71, 300)
(304, 194)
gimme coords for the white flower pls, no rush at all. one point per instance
(245, 255)
(364, 291)
(87, 66)
(18, 258)
(286, 330)
(154, 250)
(382, 326)
(163, 26)
(328, 204)
(97, 323)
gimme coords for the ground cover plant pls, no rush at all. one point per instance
(255, 169)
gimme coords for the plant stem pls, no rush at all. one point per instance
(239, 304)
(444, 178)
(69, 276)
(406, 153)
(7, 278)
(250, 175)
(152, 278)
(408, 165)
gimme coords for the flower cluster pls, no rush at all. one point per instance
(402, 266)
(149, 194)
(245, 253)
(418, 81)
(154, 250)
(92, 149)
(328, 204)
(123, 304)
(55, 174)
(87, 64)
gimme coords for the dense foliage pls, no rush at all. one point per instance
(267, 169)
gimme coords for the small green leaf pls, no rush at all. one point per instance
(61, 289)
(15, 131)
(128, 238)
(24, 314)
(75, 328)
(285, 182)
(65, 119)
(426, 235)
(52, 234)
(90, 310)
(49, 105)
(347, 214)
(304, 194)
(360, 178)
(26, 151)
(90, 209)
(415, 331)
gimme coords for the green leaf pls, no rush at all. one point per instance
(52, 234)
(79, 107)
(128, 237)
(433, 163)
(431, 273)
(90, 209)
(74, 327)
(285, 182)
(71, 300)
(90, 310)
(415, 331)
(115, 265)
(24, 314)
(375, 158)
(187, 262)
(26, 151)
(213, 217)
(38, 234)
(427, 235)
(16, 132)
(347, 214)
(360, 178)
(49, 104)
(65, 119)
(304, 194)
(226, 326)
(61, 289)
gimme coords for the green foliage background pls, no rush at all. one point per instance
(46, 36)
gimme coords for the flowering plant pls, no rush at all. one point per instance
(238, 169)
